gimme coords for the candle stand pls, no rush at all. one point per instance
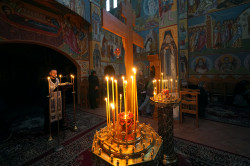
(134, 147)
(165, 127)
(125, 141)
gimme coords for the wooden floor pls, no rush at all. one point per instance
(227, 137)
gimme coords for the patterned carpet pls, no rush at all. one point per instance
(36, 150)
(228, 114)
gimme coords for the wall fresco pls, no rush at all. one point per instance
(183, 36)
(220, 64)
(200, 7)
(109, 42)
(96, 2)
(96, 22)
(81, 7)
(95, 52)
(167, 12)
(143, 66)
(168, 38)
(183, 64)
(20, 22)
(182, 9)
(220, 32)
(146, 12)
(151, 44)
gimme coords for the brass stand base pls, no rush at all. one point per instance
(170, 160)
(50, 138)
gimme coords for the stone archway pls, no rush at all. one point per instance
(23, 70)
(109, 70)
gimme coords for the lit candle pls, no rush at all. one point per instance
(123, 85)
(176, 87)
(126, 125)
(113, 91)
(60, 76)
(171, 81)
(73, 78)
(155, 86)
(116, 101)
(107, 110)
(120, 103)
(161, 81)
(113, 114)
(135, 99)
(132, 97)
(49, 84)
(159, 86)
(107, 78)
(125, 96)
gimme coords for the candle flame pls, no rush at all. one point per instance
(123, 78)
(134, 70)
(48, 78)
(132, 77)
(159, 80)
(60, 75)
(112, 106)
(125, 81)
(107, 78)
(112, 78)
(115, 81)
(171, 80)
(120, 95)
(161, 73)
(105, 99)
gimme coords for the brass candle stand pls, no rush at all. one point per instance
(136, 147)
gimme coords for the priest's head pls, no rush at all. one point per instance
(53, 73)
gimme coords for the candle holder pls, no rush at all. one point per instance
(124, 138)
(126, 123)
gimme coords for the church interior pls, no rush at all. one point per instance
(137, 82)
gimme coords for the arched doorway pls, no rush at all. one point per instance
(109, 70)
(23, 73)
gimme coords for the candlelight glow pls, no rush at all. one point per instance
(60, 75)
(107, 78)
(48, 78)
(112, 78)
(112, 106)
(134, 70)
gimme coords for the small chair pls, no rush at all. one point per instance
(189, 103)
